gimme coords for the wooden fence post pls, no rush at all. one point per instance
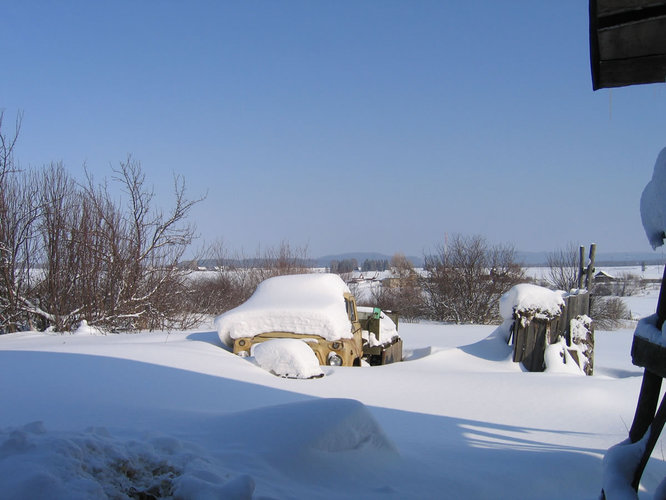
(589, 272)
(581, 256)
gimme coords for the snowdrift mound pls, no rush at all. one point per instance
(310, 429)
(35, 463)
(494, 347)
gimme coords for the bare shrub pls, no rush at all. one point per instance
(466, 278)
(607, 309)
(235, 278)
(19, 211)
(563, 267)
(145, 247)
(282, 260)
(69, 252)
(407, 301)
(226, 286)
(115, 266)
(625, 285)
(63, 225)
(608, 313)
(403, 292)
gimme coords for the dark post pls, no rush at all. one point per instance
(645, 419)
(589, 275)
(581, 256)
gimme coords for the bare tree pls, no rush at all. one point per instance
(19, 211)
(146, 247)
(60, 219)
(563, 267)
(114, 265)
(466, 278)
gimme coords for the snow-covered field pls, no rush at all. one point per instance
(177, 415)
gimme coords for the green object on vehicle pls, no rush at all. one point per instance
(376, 313)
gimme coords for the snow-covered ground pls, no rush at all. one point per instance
(177, 415)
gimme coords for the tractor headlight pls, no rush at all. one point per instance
(243, 354)
(334, 359)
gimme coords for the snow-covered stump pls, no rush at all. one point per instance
(549, 327)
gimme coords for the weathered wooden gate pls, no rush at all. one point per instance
(532, 333)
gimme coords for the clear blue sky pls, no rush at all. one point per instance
(342, 126)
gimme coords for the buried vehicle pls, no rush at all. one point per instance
(318, 309)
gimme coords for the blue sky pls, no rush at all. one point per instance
(342, 126)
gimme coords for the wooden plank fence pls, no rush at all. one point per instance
(531, 335)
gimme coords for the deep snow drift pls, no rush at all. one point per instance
(178, 415)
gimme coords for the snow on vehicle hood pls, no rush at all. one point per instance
(305, 304)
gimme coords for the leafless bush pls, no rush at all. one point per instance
(563, 268)
(144, 286)
(234, 279)
(112, 264)
(403, 293)
(18, 212)
(608, 313)
(466, 278)
(226, 285)
(406, 300)
(625, 285)
(62, 228)
(281, 260)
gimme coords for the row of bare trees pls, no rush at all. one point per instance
(462, 282)
(70, 251)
